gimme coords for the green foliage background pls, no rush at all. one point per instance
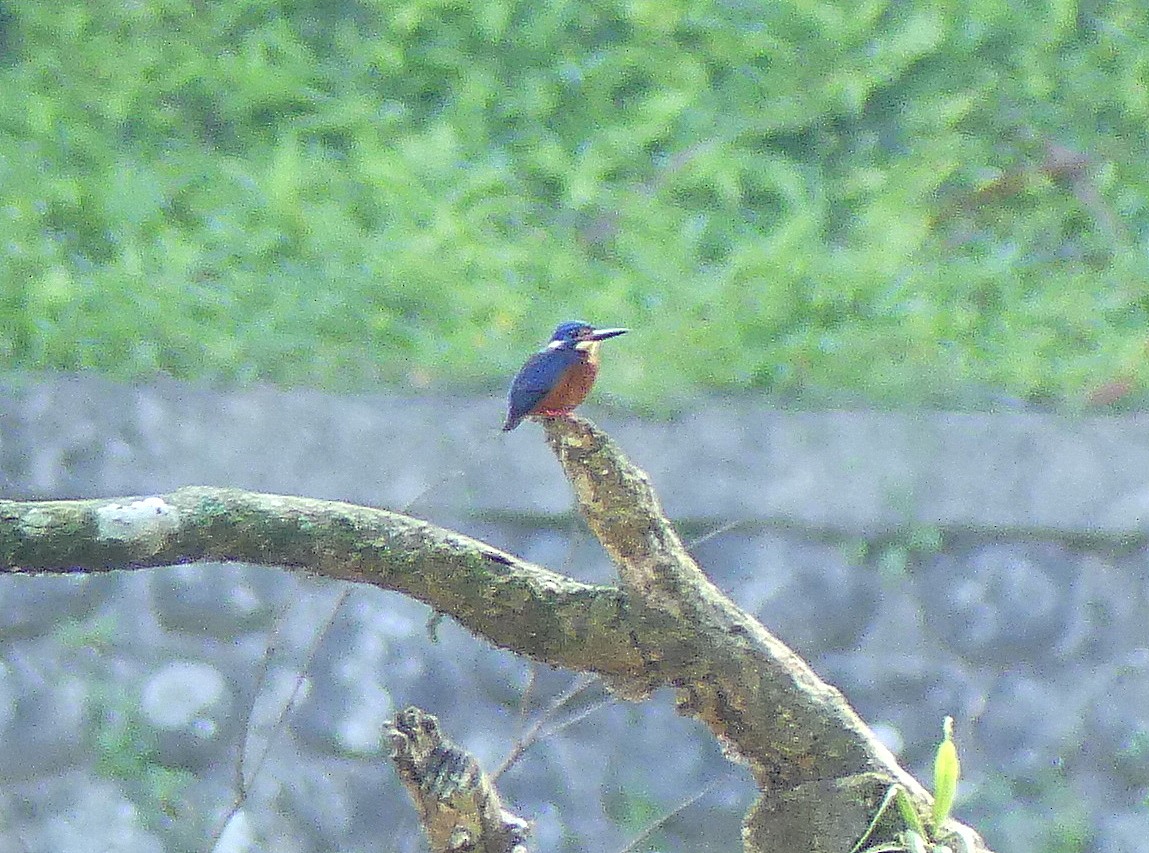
(896, 201)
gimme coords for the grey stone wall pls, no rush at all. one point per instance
(988, 566)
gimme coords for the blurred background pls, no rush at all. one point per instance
(898, 202)
(252, 243)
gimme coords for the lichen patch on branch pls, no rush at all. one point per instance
(151, 519)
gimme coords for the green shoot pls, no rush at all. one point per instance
(947, 771)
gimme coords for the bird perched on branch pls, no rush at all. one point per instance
(559, 376)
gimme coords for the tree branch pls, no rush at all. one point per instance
(822, 773)
(457, 802)
(514, 604)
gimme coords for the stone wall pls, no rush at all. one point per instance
(990, 566)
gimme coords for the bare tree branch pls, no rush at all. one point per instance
(822, 772)
(514, 604)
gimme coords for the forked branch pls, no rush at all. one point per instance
(823, 774)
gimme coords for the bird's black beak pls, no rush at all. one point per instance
(603, 334)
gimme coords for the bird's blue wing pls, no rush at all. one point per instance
(539, 375)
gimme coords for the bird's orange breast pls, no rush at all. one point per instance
(571, 389)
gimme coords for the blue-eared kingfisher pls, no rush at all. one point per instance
(559, 376)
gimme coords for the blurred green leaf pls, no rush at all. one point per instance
(881, 203)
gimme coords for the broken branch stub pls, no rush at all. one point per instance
(458, 806)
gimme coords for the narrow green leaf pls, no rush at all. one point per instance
(947, 771)
(882, 807)
(909, 813)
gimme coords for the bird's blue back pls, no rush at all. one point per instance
(539, 375)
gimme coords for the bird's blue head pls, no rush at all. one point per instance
(569, 335)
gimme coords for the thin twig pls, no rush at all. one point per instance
(431, 487)
(245, 784)
(535, 732)
(312, 650)
(718, 531)
(599, 703)
(525, 699)
(269, 653)
(484, 451)
(666, 818)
